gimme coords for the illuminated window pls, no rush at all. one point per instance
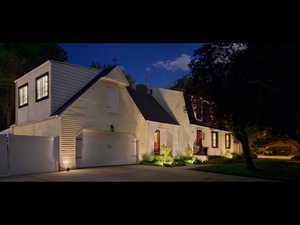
(42, 87)
(214, 139)
(23, 95)
(227, 141)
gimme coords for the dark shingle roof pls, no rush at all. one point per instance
(150, 108)
(103, 73)
(194, 121)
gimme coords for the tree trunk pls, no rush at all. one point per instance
(247, 155)
(246, 149)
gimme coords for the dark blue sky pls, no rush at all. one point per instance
(163, 63)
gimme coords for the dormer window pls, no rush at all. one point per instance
(42, 87)
(23, 95)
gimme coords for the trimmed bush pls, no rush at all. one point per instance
(159, 157)
(169, 159)
(200, 161)
(227, 155)
(188, 150)
(158, 163)
(166, 151)
(178, 163)
(148, 158)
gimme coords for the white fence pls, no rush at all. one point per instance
(28, 154)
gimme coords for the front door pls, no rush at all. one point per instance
(199, 138)
(157, 142)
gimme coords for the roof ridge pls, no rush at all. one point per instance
(71, 64)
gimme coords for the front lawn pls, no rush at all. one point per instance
(266, 168)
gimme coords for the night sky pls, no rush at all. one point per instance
(161, 63)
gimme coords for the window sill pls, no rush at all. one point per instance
(41, 99)
(22, 106)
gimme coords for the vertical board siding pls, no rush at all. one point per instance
(67, 80)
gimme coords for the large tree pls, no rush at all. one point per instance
(253, 85)
(16, 59)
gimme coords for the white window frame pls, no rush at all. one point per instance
(23, 95)
(43, 92)
(214, 142)
(228, 141)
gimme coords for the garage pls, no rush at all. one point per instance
(100, 148)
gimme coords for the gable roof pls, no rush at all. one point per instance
(150, 108)
(82, 90)
(117, 76)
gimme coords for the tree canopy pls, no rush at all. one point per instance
(254, 86)
(16, 59)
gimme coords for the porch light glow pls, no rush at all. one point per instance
(66, 165)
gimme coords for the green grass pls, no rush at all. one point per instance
(266, 168)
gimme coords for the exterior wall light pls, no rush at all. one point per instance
(66, 165)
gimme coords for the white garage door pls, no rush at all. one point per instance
(105, 149)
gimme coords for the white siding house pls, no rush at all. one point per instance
(100, 120)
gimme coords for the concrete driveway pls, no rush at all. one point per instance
(135, 173)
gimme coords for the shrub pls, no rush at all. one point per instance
(158, 163)
(166, 151)
(168, 164)
(190, 160)
(227, 155)
(180, 157)
(200, 161)
(148, 158)
(168, 159)
(158, 158)
(178, 163)
(188, 151)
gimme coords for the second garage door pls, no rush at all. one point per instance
(105, 149)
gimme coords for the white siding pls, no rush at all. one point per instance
(67, 80)
(48, 127)
(88, 112)
(173, 102)
(34, 111)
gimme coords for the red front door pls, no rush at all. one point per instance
(157, 142)
(199, 138)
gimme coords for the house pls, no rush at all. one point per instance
(101, 121)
